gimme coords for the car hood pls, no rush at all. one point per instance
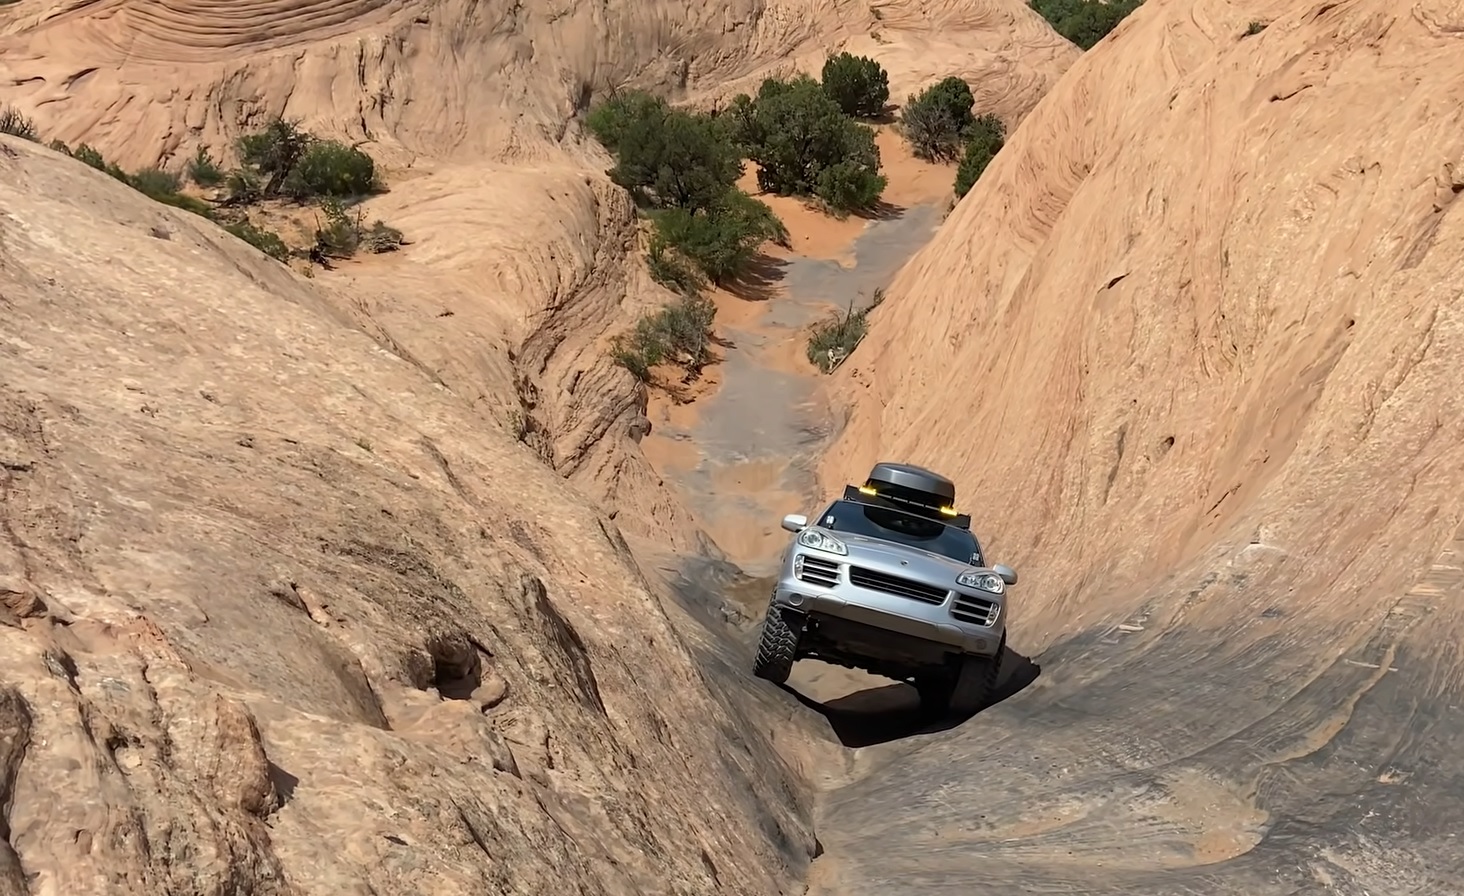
(875, 550)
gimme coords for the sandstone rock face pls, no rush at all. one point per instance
(1200, 309)
(279, 617)
(1191, 350)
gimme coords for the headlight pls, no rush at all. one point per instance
(982, 581)
(821, 541)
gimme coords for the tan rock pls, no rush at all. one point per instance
(1197, 297)
(278, 654)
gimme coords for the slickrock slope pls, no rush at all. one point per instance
(1192, 350)
(518, 264)
(280, 616)
(1208, 297)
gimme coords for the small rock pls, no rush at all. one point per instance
(491, 692)
(20, 597)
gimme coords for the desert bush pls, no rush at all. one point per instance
(796, 133)
(609, 120)
(984, 139)
(87, 155)
(343, 235)
(683, 166)
(1084, 22)
(274, 152)
(671, 269)
(832, 341)
(666, 158)
(243, 186)
(166, 187)
(16, 124)
(680, 333)
(858, 84)
(204, 170)
(722, 238)
(330, 168)
(934, 122)
(156, 182)
(266, 241)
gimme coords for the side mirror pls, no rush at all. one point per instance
(1007, 574)
(795, 522)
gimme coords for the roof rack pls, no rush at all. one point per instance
(895, 498)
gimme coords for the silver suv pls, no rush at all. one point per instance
(889, 579)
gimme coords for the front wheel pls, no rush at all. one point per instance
(975, 683)
(777, 648)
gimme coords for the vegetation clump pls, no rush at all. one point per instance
(1084, 22)
(682, 167)
(859, 85)
(984, 139)
(937, 121)
(679, 333)
(804, 145)
(279, 162)
(832, 341)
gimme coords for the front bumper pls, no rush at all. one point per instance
(891, 612)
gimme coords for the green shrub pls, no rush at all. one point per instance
(89, 156)
(666, 157)
(274, 152)
(155, 182)
(858, 84)
(738, 123)
(984, 140)
(15, 124)
(330, 168)
(266, 241)
(343, 235)
(680, 333)
(609, 120)
(243, 186)
(833, 340)
(203, 170)
(795, 133)
(1084, 22)
(722, 238)
(671, 269)
(684, 165)
(934, 122)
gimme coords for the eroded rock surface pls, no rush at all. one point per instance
(279, 618)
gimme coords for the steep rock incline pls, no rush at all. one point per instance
(1192, 351)
(280, 617)
(1203, 309)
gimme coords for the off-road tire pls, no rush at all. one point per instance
(964, 691)
(935, 694)
(777, 649)
(975, 682)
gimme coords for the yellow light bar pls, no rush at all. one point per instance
(867, 490)
(948, 511)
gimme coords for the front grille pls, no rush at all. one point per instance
(818, 571)
(974, 610)
(878, 581)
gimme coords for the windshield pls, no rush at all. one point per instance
(903, 528)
